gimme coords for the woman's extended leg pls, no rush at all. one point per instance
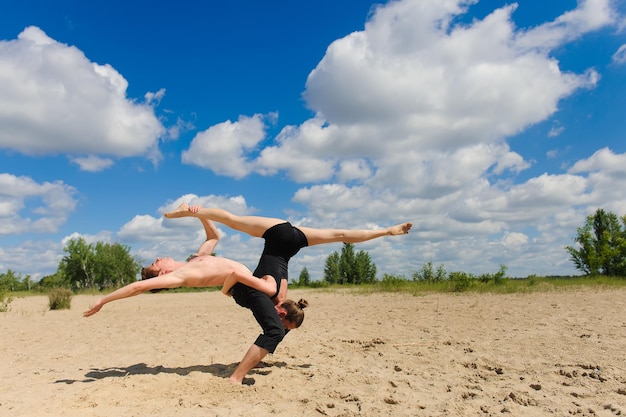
(252, 225)
(320, 236)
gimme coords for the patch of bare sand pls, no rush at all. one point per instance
(546, 354)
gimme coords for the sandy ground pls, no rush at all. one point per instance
(546, 354)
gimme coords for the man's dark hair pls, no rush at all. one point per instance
(147, 273)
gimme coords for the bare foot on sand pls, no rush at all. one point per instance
(180, 211)
(400, 229)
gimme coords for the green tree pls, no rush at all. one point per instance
(113, 265)
(304, 279)
(102, 265)
(10, 281)
(58, 279)
(27, 283)
(601, 245)
(364, 267)
(349, 267)
(78, 264)
(332, 270)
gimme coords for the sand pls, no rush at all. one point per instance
(543, 354)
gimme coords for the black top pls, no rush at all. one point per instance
(282, 241)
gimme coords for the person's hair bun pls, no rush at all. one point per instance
(303, 303)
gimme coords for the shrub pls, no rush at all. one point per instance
(60, 298)
(5, 300)
(460, 281)
(428, 274)
(500, 276)
(497, 278)
(392, 282)
(318, 284)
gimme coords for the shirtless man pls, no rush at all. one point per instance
(202, 270)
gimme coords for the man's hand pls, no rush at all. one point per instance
(93, 309)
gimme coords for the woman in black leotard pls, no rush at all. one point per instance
(282, 241)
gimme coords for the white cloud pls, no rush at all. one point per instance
(93, 163)
(155, 98)
(332, 198)
(602, 160)
(556, 129)
(590, 15)
(414, 86)
(514, 240)
(28, 206)
(620, 55)
(20, 259)
(458, 86)
(181, 126)
(53, 100)
(605, 173)
(221, 148)
(353, 169)
(102, 236)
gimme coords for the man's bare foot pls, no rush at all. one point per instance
(180, 211)
(400, 229)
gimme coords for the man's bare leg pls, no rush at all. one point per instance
(253, 356)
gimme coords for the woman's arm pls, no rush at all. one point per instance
(266, 284)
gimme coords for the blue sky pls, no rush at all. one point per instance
(494, 127)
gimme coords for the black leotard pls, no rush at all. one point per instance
(282, 241)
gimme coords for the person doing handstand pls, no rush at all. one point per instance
(201, 270)
(282, 241)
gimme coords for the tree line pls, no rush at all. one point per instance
(600, 251)
(85, 265)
